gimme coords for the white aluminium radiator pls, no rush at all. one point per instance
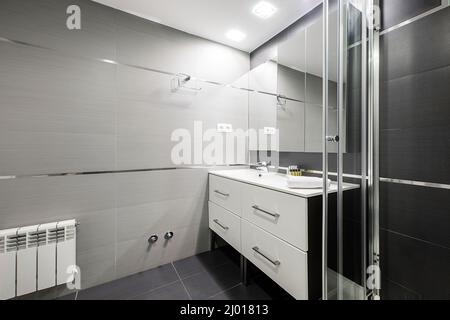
(36, 257)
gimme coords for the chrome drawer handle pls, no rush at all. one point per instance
(275, 215)
(276, 263)
(221, 193)
(220, 225)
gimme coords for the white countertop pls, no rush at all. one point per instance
(275, 181)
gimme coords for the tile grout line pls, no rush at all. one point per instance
(154, 289)
(223, 291)
(197, 273)
(405, 288)
(181, 280)
(416, 239)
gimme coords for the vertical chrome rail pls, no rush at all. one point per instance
(325, 7)
(364, 67)
(376, 137)
(342, 80)
(373, 152)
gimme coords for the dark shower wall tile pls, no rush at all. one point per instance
(394, 291)
(416, 101)
(352, 247)
(354, 66)
(418, 212)
(353, 122)
(415, 130)
(420, 46)
(397, 11)
(415, 265)
(419, 154)
(313, 161)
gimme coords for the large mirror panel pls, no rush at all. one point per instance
(300, 70)
(291, 90)
(263, 137)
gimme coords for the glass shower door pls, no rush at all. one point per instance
(345, 136)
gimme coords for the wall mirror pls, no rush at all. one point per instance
(299, 88)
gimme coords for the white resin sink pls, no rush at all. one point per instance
(305, 182)
(304, 187)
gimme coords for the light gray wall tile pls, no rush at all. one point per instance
(51, 120)
(44, 23)
(30, 201)
(156, 217)
(96, 229)
(146, 187)
(153, 45)
(97, 265)
(137, 254)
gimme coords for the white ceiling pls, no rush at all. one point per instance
(211, 19)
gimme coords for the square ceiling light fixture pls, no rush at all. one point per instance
(264, 10)
(235, 35)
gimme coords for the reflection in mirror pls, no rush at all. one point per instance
(291, 88)
(299, 116)
(314, 67)
(263, 137)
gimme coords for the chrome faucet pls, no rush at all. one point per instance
(263, 166)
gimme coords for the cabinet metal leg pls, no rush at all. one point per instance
(212, 238)
(244, 270)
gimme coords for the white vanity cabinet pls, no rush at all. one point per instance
(277, 229)
(281, 214)
(282, 262)
(225, 224)
(226, 193)
(269, 228)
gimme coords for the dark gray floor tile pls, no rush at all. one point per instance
(205, 261)
(70, 296)
(241, 292)
(174, 291)
(131, 286)
(209, 283)
(47, 294)
(50, 294)
(271, 288)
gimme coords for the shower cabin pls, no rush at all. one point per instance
(328, 116)
(326, 66)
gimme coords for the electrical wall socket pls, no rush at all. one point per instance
(270, 131)
(224, 127)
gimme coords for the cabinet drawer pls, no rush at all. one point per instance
(225, 224)
(226, 193)
(279, 213)
(283, 263)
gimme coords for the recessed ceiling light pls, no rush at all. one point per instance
(264, 10)
(235, 35)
